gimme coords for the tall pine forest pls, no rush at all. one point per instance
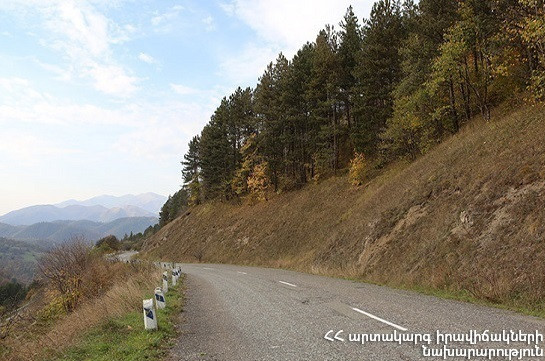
(365, 93)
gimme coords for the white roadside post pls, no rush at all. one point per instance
(159, 298)
(165, 282)
(150, 318)
(174, 278)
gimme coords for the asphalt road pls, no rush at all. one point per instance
(123, 256)
(248, 313)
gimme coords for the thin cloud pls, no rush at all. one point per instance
(84, 36)
(146, 58)
(183, 90)
(22, 102)
(166, 132)
(154, 130)
(161, 18)
(113, 80)
(209, 23)
(280, 22)
(244, 68)
(29, 148)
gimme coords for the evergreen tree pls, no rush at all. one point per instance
(323, 103)
(191, 170)
(298, 132)
(350, 42)
(378, 72)
(190, 164)
(270, 114)
(215, 153)
(172, 208)
(164, 215)
(239, 122)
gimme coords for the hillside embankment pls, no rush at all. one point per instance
(468, 216)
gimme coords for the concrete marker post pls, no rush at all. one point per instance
(174, 278)
(150, 317)
(160, 301)
(165, 282)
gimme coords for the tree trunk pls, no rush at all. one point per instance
(453, 111)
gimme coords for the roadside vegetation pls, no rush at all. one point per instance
(18, 260)
(81, 295)
(133, 241)
(11, 295)
(123, 338)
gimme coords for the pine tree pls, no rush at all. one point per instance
(270, 114)
(378, 72)
(323, 102)
(191, 170)
(164, 215)
(350, 42)
(298, 131)
(215, 154)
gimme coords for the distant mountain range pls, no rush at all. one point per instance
(59, 231)
(103, 208)
(150, 202)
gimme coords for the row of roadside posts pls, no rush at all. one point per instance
(150, 306)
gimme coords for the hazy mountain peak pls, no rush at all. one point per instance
(103, 208)
(151, 202)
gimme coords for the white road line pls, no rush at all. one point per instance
(242, 273)
(379, 319)
(208, 268)
(289, 284)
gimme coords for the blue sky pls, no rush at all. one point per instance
(102, 96)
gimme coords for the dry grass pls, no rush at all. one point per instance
(468, 216)
(38, 341)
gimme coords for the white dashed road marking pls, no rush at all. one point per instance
(379, 319)
(286, 283)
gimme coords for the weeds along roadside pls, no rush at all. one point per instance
(124, 338)
(81, 292)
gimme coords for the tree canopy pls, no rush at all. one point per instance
(389, 86)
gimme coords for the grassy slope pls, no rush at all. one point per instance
(468, 216)
(124, 338)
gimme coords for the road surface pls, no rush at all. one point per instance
(249, 313)
(123, 256)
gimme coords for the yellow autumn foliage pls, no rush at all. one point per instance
(358, 169)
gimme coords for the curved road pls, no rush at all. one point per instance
(250, 313)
